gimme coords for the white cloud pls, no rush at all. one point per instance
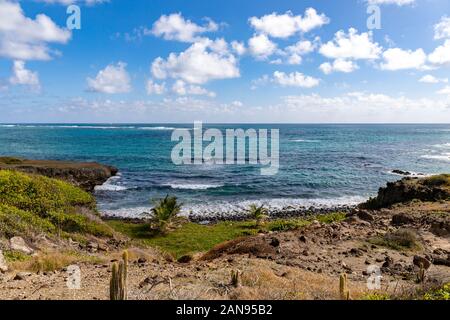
(201, 62)
(442, 29)
(351, 46)
(398, 59)
(339, 65)
(297, 50)
(113, 79)
(237, 103)
(261, 47)
(155, 88)
(445, 91)
(397, 2)
(238, 47)
(175, 27)
(441, 55)
(294, 79)
(182, 89)
(23, 76)
(432, 79)
(286, 25)
(23, 38)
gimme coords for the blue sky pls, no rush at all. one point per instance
(225, 61)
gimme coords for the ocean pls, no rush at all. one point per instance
(320, 164)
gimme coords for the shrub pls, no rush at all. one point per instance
(439, 294)
(164, 213)
(259, 214)
(399, 240)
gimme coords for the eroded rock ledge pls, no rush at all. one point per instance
(85, 175)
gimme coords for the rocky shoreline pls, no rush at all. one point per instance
(85, 175)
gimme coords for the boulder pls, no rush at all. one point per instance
(22, 275)
(18, 244)
(364, 215)
(3, 265)
(401, 219)
(421, 261)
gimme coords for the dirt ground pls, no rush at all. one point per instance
(300, 264)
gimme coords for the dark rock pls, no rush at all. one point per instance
(274, 242)
(401, 219)
(388, 261)
(403, 173)
(364, 215)
(85, 175)
(142, 260)
(302, 239)
(441, 262)
(22, 275)
(418, 261)
(434, 188)
(185, 259)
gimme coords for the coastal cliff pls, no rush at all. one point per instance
(85, 175)
(47, 224)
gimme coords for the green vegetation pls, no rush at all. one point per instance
(259, 214)
(32, 204)
(442, 293)
(438, 181)
(164, 214)
(191, 237)
(400, 239)
(376, 296)
(49, 261)
(10, 160)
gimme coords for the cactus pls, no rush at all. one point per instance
(421, 274)
(343, 287)
(235, 278)
(118, 284)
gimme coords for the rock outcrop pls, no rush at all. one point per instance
(435, 188)
(85, 175)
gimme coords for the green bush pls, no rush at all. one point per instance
(32, 204)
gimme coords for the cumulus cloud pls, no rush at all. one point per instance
(294, 79)
(441, 55)
(399, 59)
(238, 47)
(261, 47)
(203, 61)
(23, 38)
(286, 25)
(397, 2)
(113, 79)
(295, 52)
(445, 91)
(339, 65)
(432, 79)
(351, 45)
(182, 89)
(22, 76)
(155, 88)
(442, 29)
(176, 27)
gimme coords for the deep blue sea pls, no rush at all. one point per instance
(319, 164)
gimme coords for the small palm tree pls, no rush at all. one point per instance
(164, 213)
(259, 214)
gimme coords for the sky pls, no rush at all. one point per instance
(290, 61)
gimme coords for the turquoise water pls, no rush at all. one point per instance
(319, 164)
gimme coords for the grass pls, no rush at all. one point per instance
(437, 181)
(33, 204)
(49, 261)
(192, 237)
(442, 293)
(401, 239)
